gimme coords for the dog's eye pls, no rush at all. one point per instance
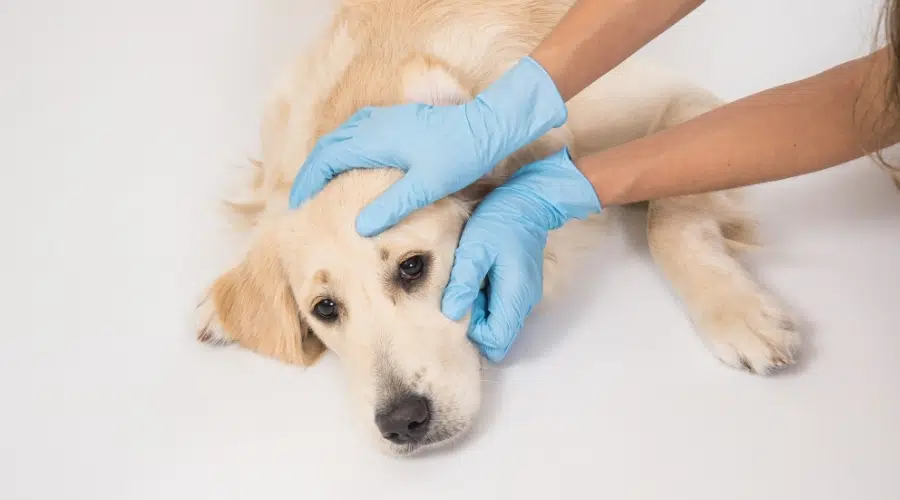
(326, 310)
(411, 268)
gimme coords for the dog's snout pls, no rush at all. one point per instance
(406, 420)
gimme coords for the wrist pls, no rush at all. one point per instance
(560, 190)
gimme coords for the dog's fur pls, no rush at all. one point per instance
(392, 338)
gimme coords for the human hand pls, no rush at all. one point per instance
(442, 149)
(504, 242)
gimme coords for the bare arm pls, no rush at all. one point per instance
(805, 126)
(595, 36)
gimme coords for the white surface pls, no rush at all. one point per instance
(116, 119)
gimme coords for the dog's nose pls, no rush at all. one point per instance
(404, 421)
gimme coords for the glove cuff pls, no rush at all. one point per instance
(523, 104)
(565, 192)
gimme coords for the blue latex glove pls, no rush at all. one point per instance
(504, 242)
(442, 149)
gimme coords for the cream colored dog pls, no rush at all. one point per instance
(309, 283)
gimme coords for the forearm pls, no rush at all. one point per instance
(798, 128)
(595, 36)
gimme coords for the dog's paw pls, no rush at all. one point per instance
(751, 334)
(208, 328)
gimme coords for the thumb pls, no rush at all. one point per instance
(393, 205)
(479, 310)
(508, 305)
(471, 265)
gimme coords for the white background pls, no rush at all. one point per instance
(118, 121)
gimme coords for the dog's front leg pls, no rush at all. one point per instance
(693, 239)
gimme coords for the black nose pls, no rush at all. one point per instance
(405, 420)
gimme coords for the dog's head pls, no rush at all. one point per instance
(309, 283)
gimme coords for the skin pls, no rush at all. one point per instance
(794, 129)
(595, 36)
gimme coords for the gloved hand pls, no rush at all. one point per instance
(442, 149)
(504, 242)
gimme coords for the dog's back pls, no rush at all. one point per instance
(384, 52)
(369, 53)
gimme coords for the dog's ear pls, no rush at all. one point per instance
(252, 305)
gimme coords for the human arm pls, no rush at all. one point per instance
(443, 149)
(797, 128)
(790, 130)
(595, 36)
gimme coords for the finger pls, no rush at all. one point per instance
(314, 173)
(479, 312)
(471, 264)
(360, 114)
(332, 160)
(393, 205)
(508, 306)
(493, 343)
(311, 178)
(479, 308)
(493, 355)
(347, 129)
(327, 159)
(344, 130)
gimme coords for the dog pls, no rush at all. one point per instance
(308, 283)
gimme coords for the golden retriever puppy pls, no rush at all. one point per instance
(308, 283)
